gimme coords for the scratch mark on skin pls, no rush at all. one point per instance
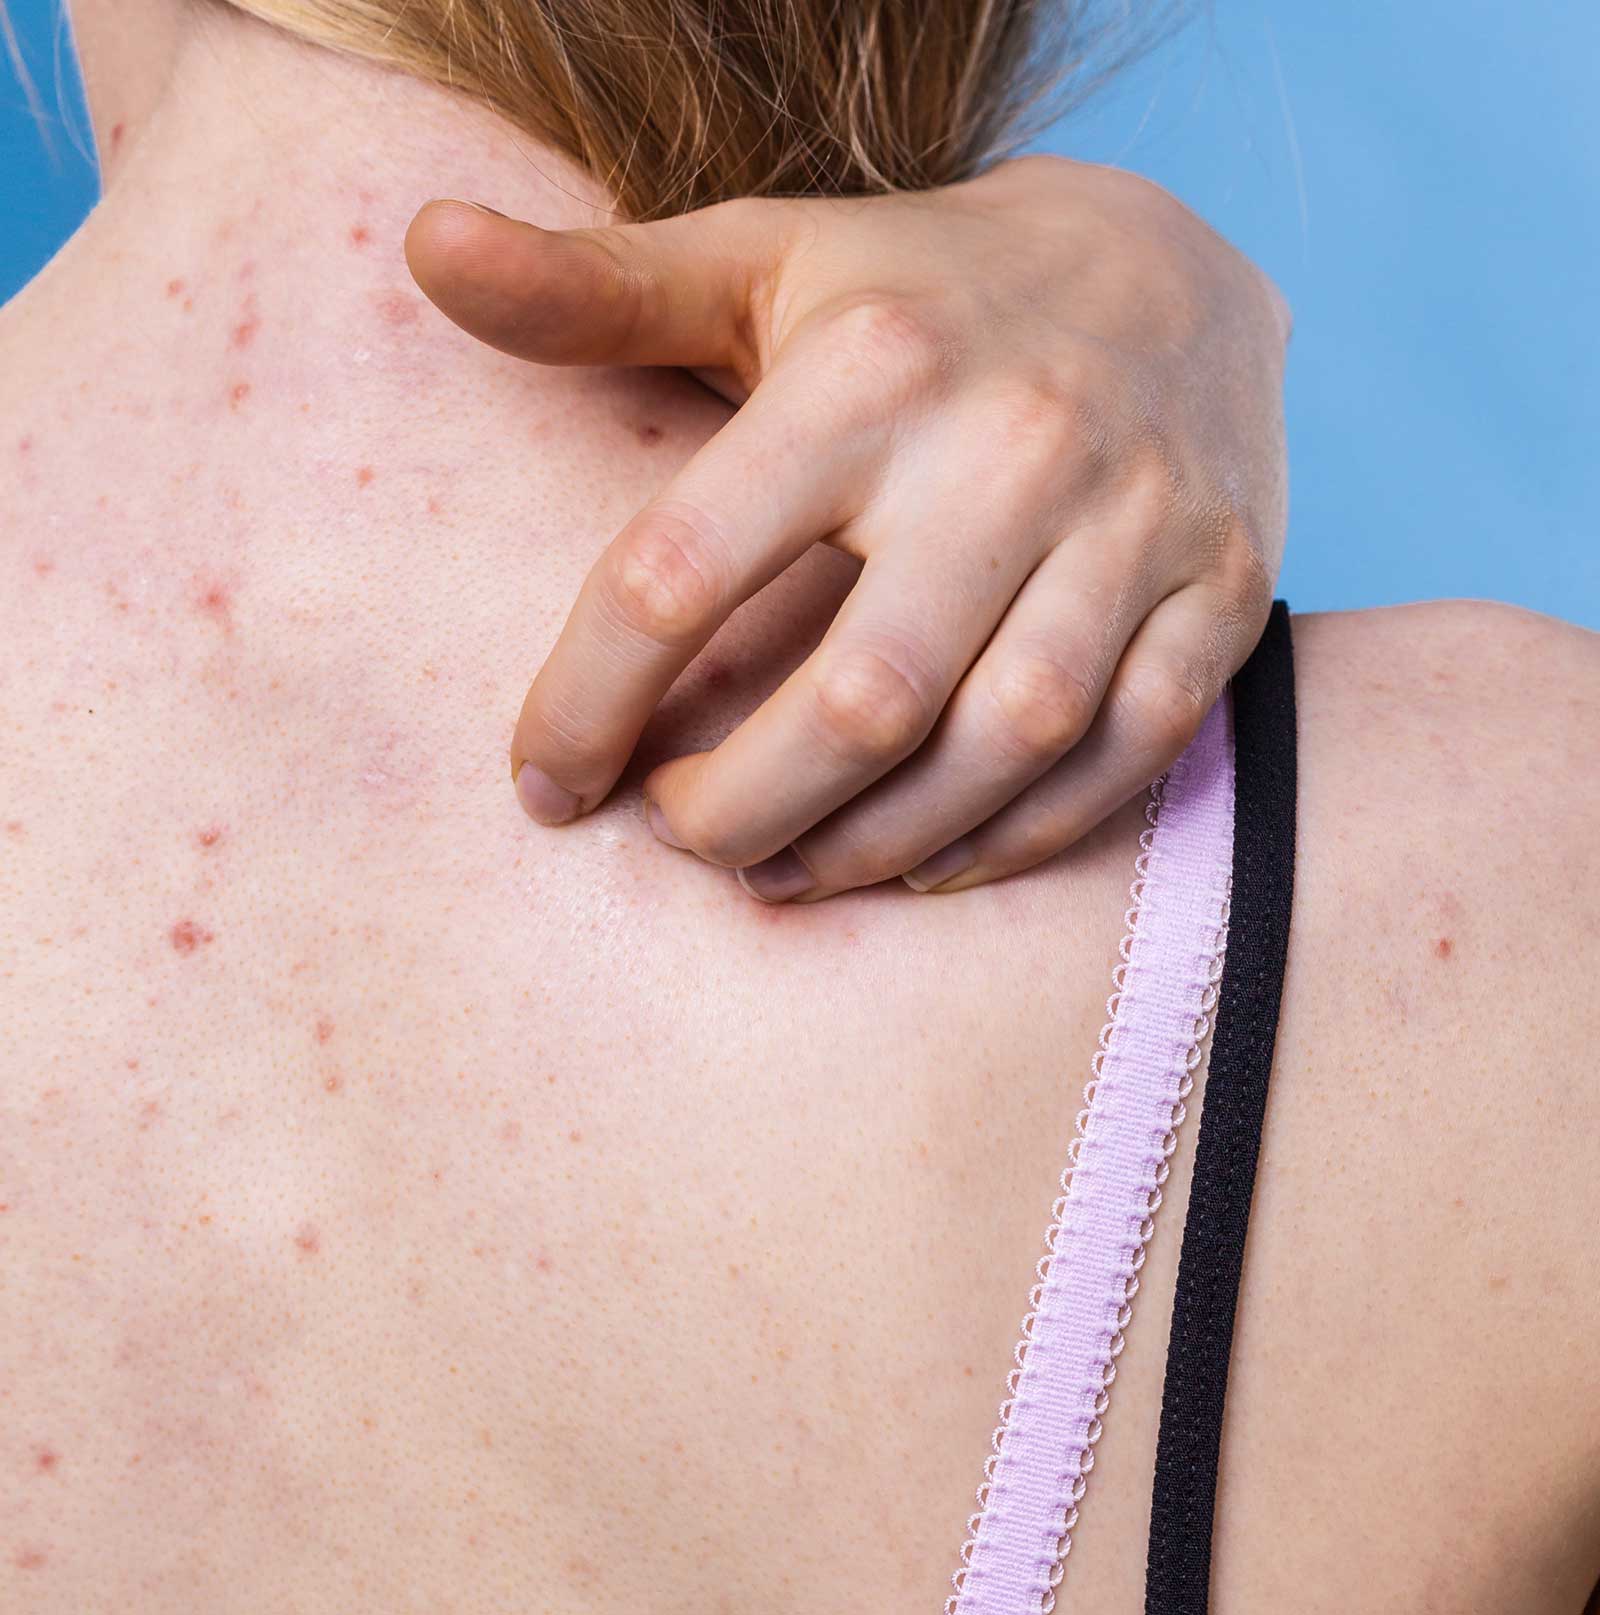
(186, 936)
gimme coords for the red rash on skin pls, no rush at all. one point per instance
(360, 235)
(217, 604)
(237, 395)
(1443, 948)
(395, 308)
(364, 476)
(187, 936)
(244, 333)
(308, 1240)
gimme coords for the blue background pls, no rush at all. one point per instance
(1421, 177)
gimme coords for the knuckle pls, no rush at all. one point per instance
(869, 707)
(1154, 487)
(1165, 707)
(1045, 704)
(667, 576)
(892, 342)
(1037, 421)
(710, 832)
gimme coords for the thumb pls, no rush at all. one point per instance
(676, 291)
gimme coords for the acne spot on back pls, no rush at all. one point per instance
(186, 937)
(238, 393)
(307, 1240)
(215, 601)
(1443, 948)
(209, 836)
(360, 235)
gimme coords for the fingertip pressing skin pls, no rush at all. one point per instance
(542, 799)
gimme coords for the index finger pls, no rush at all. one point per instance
(780, 475)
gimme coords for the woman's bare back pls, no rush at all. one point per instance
(405, 1207)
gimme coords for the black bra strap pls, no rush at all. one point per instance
(1178, 1573)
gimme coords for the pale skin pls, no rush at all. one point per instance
(409, 1207)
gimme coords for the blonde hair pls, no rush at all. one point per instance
(674, 104)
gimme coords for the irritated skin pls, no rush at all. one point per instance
(404, 1207)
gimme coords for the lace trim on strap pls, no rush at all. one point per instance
(1164, 994)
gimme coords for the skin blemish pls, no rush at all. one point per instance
(308, 1241)
(364, 476)
(16, 828)
(118, 130)
(333, 1082)
(1443, 948)
(209, 836)
(131, 1064)
(45, 1460)
(244, 332)
(576, 1135)
(649, 432)
(186, 936)
(395, 308)
(360, 235)
(325, 1030)
(542, 1262)
(149, 1115)
(216, 602)
(43, 569)
(175, 288)
(238, 393)
(30, 1559)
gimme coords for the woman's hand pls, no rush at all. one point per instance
(1043, 407)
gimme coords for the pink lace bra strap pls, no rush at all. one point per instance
(1165, 990)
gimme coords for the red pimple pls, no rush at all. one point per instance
(324, 1031)
(364, 475)
(46, 1460)
(43, 569)
(131, 1064)
(244, 333)
(238, 393)
(360, 235)
(333, 1082)
(187, 936)
(308, 1240)
(649, 433)
(209, 836)
(1443, 948)
(395, 308)
(216, 602)
(434, 507)
(174, 288)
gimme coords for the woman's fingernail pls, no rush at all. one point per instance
(482, 209)
(657, 820)
(543, 799)
(778, 878)
(945, 864)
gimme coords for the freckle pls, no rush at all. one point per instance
(174, 288)
(308, 1240)
(395, 308)
(237, 395)
(45, 1460)
(649, 432)
(360, 235)
(324, 1031)
(31, 1558)
(1443, 948)
(364, 476)
(210, 836)
(187, 936)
